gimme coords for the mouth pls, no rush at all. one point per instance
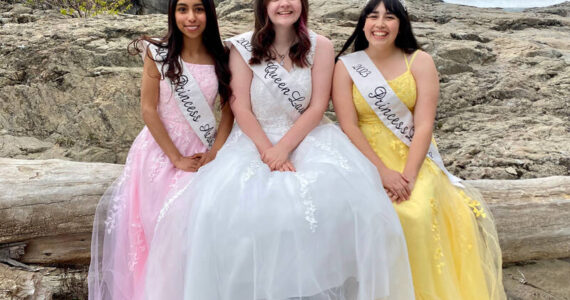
(379, 34)
(285, 13)
(192, 27)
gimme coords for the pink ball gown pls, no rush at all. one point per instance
(128, 211)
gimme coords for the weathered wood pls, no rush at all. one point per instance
(532, 216)
(44, 283)
(49, 205)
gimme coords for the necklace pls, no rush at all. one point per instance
(281, 56)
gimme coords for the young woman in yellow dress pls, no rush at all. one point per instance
(385, 96)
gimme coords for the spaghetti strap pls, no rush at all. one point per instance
(409, 64)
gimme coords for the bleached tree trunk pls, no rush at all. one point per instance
(47, 207)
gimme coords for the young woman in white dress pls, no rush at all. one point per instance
(289, 209)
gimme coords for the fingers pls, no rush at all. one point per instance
(274, 165)
(405, 190)
(392, 196)
(190, 164)
(288, 166)
(398, 193)
(197, 155)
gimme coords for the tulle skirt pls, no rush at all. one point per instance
(239, 231)
(126, 214)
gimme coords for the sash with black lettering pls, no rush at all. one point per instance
(386, 104)
(189, 98)
(274, 76)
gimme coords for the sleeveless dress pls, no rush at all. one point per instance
(242, 232)
(126, 215)
(452, 242)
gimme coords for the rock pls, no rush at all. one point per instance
(538, 280)
(511, 171)
(504, 81)
(11, 146)
(21, 9)
(154, 6)
(469, 37)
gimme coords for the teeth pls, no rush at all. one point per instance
(285, 13)
(380, 33)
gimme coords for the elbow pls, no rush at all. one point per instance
(423, 130)
(147, 113)
(349, 128)
(317, 110)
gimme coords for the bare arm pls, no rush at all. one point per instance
(348, 119)
(225, 127)
(321, 75)
(427, 82)
(346, 114)
(149, 103)
(241, 102)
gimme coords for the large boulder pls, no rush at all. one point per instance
(154, 6)
(69, 89)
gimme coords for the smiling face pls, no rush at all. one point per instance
(381, 27)
(190, 18)
(284, 12)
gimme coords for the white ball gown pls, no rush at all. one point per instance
(239, 231)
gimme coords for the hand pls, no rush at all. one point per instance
(187, 164)
(411, 182)
(205, 157)
(275, 157)
(287, 167)
(396, 185)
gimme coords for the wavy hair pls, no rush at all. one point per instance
(264, 36)
(173, 42)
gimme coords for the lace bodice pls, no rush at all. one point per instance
(269, 110)
(205, 75)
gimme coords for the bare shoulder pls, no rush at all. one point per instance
(422, 59)
(324, 44)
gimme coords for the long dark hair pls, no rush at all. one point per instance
(405, 39)
(264, 36)
(174, 40)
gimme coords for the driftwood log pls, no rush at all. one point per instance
(47, 207)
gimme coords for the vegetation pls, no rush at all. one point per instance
(84, 8)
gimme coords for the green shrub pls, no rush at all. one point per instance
(84, 8)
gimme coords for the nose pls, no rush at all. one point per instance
(191, 16)
(381, 22)
(284, 3)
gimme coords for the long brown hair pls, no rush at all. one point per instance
(173, 42)
(264, 36)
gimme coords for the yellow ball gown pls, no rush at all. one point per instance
(452, 241)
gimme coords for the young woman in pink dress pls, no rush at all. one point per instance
(183, 73)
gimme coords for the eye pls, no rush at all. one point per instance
(181, 9)
(200, 9)
(372, 16)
